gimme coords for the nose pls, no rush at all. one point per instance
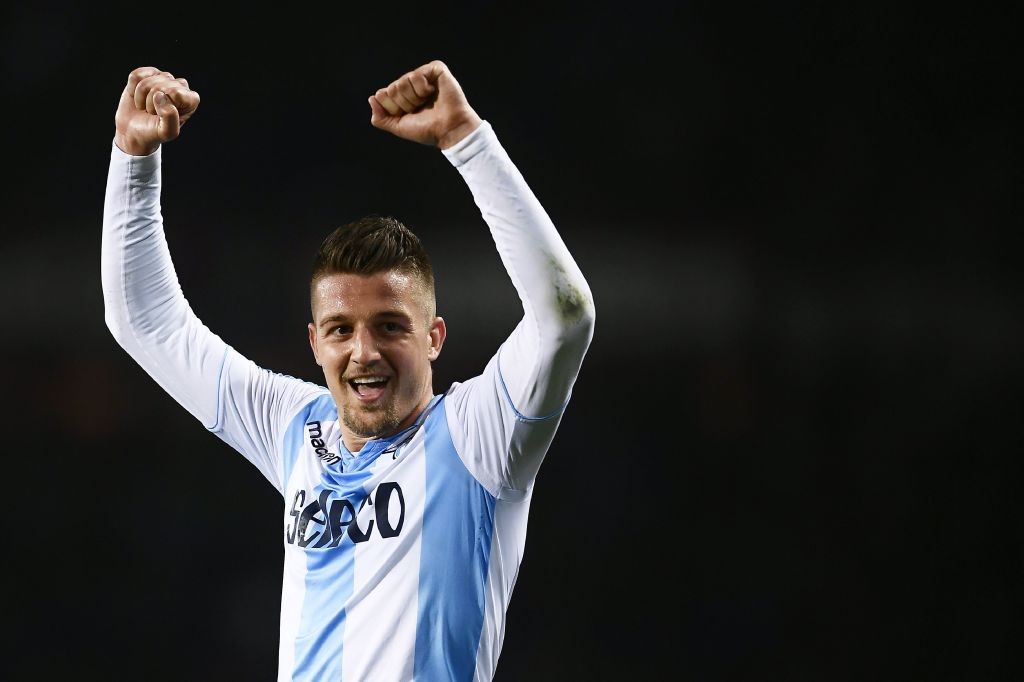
(364, 347)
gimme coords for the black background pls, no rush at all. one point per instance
(792, 451)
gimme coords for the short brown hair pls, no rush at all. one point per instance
(370, 245)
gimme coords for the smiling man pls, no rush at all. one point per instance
(372, 297)
(405, 511)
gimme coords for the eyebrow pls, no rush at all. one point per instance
(337, 317)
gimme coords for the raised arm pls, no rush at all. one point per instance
(145, 309)
(538, 364)
(144, 306)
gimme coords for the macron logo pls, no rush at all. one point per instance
(317, 441)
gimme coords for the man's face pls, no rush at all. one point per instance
(375, 339)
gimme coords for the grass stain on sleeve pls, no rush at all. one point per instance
(572, 303)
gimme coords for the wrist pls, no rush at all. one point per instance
(460, 131)
(134, 147)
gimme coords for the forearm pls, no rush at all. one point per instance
(145, 309)
(548, 346)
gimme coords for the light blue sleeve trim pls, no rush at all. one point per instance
(519, 415)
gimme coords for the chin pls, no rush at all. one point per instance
(373, 425)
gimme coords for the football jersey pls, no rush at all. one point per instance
(399, 562)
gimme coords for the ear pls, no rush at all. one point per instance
(437, 334)
(312, 342)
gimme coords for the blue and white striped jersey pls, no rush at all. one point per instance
(400, 559)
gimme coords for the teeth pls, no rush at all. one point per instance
(368, 380)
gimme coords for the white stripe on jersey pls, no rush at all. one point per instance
(380, 629)
(503, 569)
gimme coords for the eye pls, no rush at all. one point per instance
(392, 327)
(341, 330)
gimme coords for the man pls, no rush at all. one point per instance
(405, 512)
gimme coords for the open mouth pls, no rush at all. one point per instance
(369, 388)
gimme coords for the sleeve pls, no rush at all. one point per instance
(506, 417)
(246, 406)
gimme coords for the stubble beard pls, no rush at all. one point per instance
(373, 423)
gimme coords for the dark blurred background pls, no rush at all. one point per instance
(793, 451)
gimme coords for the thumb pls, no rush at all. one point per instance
(169, 124)
(443, 77)
(379, 116)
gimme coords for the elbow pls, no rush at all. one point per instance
(114, 314)
(586, 324)
(587, 317)
(116, 326)
(576, 313)
(116, 318)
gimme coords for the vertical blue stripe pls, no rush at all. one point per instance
(321, 409)
(458, 525)
(329, 582)
(330, 566)
(329, 571)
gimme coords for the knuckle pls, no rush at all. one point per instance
(420, 85)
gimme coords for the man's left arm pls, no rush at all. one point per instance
(540, 360)
(531, 377)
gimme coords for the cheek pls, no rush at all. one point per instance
(415, 366)
(331, 356)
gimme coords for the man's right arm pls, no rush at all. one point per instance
(147, 313)
(144, 306)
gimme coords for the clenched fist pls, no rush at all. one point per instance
(153, 107)
(426, 105)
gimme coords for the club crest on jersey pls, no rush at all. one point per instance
(324, 522)
(319, 447)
